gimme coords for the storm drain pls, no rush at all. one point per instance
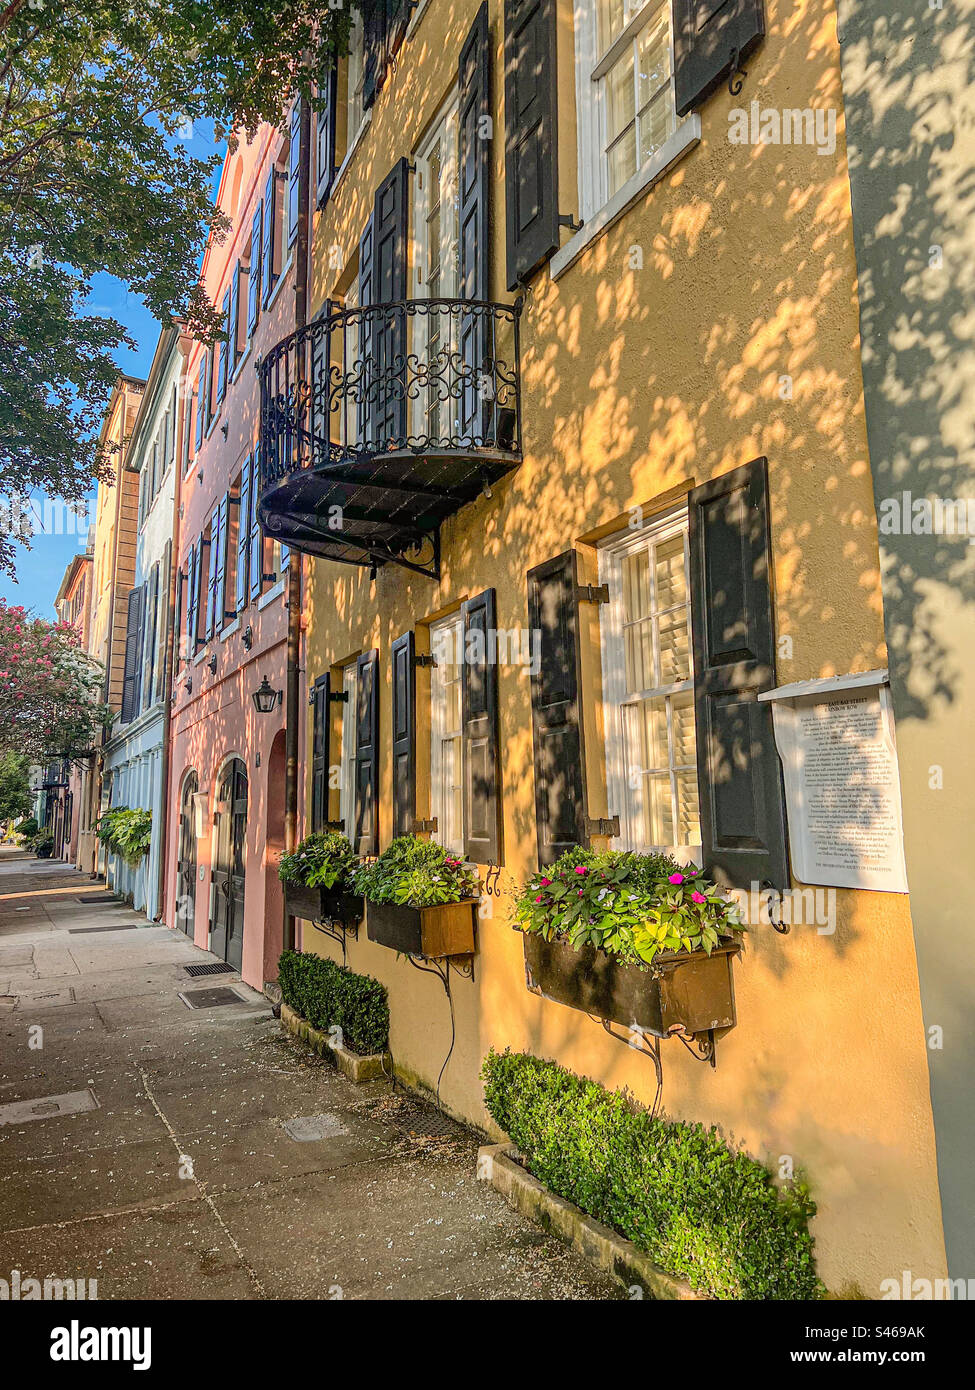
(221, 968)
(211, 998)
(307, 1128)
(108, 898)
(424, 1122)
(71, 1103)
(120, 926)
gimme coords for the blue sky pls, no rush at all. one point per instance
(41, 568)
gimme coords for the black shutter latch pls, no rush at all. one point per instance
(338, 697)
(424, 659)
(592, 593)
(601, 826)
(426, 827)
(567, 220)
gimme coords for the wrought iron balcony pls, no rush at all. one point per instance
(379, 423)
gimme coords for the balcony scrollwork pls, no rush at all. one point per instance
(378, 423)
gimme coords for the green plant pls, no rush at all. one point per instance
(320, 860)
(330, 995)
(27, 828)
(631, 905)
(126, 831)
(702, 1211)
(416, 872)
(43, 845)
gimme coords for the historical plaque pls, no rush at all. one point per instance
(835, 739)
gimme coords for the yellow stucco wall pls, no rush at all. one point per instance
(636, 383)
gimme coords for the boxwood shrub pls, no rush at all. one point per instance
(700, 1210)
(327, 994)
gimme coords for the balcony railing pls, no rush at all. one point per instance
(379, 423)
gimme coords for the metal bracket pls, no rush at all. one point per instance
(592, 593)
(602, 826)
(567, 220)
(736, 73)
(426, 827)
(704, 1047)
(423, 659)
(339, 697)
(335, 825)
(781, 926)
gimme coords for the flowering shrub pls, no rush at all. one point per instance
(50, 689)
(321, 860)
(417, 873)
(631, 905)
(126, 832)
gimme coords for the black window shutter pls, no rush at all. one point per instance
(365, 838)
(165, 570)
(742, 805)
(557, 734)
(530, 148)
(474, 162)
(192, 598)
(150, 618)
(404, 733)
(213, 545)
(706, 35)
(320, 752)
(243, 535)
(325, 138)
(383, 280)
(179, 619)
(482, 753)
(373, 51)
(269, 239)
(294, 170)
(254, 279)
(133, 653)
(220, 613)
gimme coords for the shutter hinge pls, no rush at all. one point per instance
(338, 697)
(426, 827)
(601, 826)
(592, 593)
(736, 72)
(335, 825)
(423, 659)
(567, 220)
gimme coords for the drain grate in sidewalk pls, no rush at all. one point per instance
(109, 899)
(221, 968)
(121, 926)
(210, 998)
(424, 1122)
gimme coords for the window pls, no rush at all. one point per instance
(650, 733)
(254, 278)
(446, 732)
(435, 219)
(271, 234)
(354, 75)
(626, 93)
(294, 171)
(223, 350)
(347, 769)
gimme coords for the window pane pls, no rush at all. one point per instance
(683, 731)
(674, 652)
(688, 811)
(610, 22)
(669, 575)
(620, 97)
(621, 159)
(656, 125)
(653, 55)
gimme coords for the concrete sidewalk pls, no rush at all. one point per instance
(181, 1179)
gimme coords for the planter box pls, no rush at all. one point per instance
(447, 930)
(358, 1067)
(319, 904)
(692, 992)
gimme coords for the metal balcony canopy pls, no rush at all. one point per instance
(379, 423)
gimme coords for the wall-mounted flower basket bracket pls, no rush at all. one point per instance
(432, 933)
(332, 911)
(686, 995)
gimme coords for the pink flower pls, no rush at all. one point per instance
(580, 869)
(580, 891)
(545, 882)
(676, 878)
(539, 898)
(698, 898)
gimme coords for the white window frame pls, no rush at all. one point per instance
(347, 750)
(444, 131)
(355, 116)
(447, 632)
(591, 67)
(611, 555)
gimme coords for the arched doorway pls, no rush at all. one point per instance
(227, 922)
(186, 864)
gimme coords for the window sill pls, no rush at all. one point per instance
(279, 282)
(229, 630)
(240, 365)
(274, 592)
(683, 139)
(350, 152)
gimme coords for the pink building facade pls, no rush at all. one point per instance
(227, 757)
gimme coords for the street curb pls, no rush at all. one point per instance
(598, 1243)
(372, 1066)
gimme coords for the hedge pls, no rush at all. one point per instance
(701, 1211)
(329, 995)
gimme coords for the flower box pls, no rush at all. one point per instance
(445, 930)
(323, 904)
(689, 992)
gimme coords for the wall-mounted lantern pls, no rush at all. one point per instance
(247, 637)
(212, 664)
(266, 698)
